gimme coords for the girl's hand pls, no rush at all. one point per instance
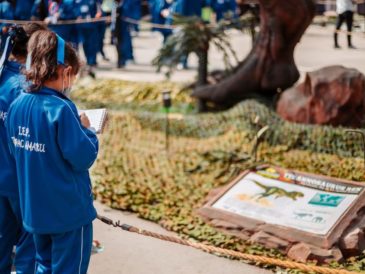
(85, 122)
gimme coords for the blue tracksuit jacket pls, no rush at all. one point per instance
(6, 12)
(221, 7)
(53, 153)
(121, 30)
(67, 11)
(187, 7)
(23, 9)
(86, 9)
(40, 9)
(11, 85)
(157, 6)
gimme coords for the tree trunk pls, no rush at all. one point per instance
(270, 64)
(202, 74)
(203, 67)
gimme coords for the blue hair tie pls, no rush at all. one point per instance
(61, 45)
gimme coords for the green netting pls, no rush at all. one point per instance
(135, 171)
(249, 117)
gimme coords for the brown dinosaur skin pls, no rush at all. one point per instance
(270, 64)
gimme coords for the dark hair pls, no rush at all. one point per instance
(42, 48)
(22, 35)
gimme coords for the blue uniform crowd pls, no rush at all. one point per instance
(91, 35)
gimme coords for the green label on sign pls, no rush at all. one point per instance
(326, 200)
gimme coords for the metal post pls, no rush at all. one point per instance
(167, 129)
(166, 101)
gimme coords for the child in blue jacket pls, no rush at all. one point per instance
(89, 9)
(7, 13)
(160, 12)
(12, 82)
(223, 7)
(121, 32)
(61, 10)
(53, 150)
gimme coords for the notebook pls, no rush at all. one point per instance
(97, 118)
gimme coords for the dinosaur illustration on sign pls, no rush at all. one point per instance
(302, 215)
(277, 192)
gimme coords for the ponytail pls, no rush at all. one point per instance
(46, 52)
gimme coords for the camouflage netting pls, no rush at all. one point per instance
(135, 172)
(249, 117)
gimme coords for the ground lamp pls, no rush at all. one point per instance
(166, 102)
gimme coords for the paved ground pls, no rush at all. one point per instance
(133, 254)
(128, 253)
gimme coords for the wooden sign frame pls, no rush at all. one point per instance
(284, 232)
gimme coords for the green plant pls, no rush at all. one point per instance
(193, 35)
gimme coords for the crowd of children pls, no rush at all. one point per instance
(91, 35)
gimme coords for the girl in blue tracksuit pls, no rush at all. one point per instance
(53, 150)
(12, 82)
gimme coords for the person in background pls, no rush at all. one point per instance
(121, 32)
(224, 8)
(186, 8)
(106, 9)
(60, 10)
(89, 36)
(6, 12)
(23, 9)
(151, 8)
(345, 13)
(135, 13)
(12, 82)
(160, 10)
(39, 10)
(53, 148)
